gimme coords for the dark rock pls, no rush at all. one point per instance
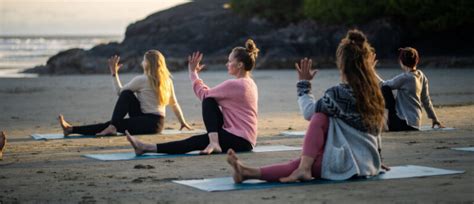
(205, 25)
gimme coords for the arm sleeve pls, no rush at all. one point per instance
(134, 85)
(426, 100)
(396, 82)
(202, 91)
(305, 99)
(173, 102)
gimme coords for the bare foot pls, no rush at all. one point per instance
(137, 145)
(212, 148)
(233, 160)
(67, 128)
(298, 174)
(3, 143)
(109, 130)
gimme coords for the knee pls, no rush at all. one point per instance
(126, 93)
(320, 120)
(209, 102)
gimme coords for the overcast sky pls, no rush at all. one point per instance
(75, 17)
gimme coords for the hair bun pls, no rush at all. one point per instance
(356, 36)
(251, 48)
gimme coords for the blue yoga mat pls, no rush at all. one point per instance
(132, 156)
(227, 183)
(302, 133)
(469, 149)
(61, 136)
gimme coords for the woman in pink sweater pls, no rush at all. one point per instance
(229, 110)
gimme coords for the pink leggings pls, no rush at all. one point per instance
(313, 147)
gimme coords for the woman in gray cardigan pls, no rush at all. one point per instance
(404, 111)
(343, 137)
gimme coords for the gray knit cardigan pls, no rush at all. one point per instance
(350, 150)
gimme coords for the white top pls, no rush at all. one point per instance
(147, 96)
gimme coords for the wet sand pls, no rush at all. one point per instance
(55, 172)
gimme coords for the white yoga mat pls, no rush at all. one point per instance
(227, 183)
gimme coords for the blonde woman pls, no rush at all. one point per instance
(144, 99)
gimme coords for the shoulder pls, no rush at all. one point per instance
(338, 89)
(140, 78)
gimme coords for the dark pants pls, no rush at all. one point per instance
(137, 123)
(213, 120)
(394, 122)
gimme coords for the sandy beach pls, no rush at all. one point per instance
(54, 171)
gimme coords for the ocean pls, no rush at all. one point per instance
(20, 53)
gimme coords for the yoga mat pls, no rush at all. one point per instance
(132, 156)
(429, 128)
(469, 149)
(227, 184)
(302, 133)
(61, 136)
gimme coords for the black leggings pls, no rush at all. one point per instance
(213, 120)
(137, 123)
(394, 122)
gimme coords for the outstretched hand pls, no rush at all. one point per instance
(194, 61)
(386, 168)
(113, 64)
(373, 59)
(437, 123)
(185, 125)
(304, 69)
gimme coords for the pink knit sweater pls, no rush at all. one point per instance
(238, 99)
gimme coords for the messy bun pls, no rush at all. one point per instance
(357, 37)
(251, 48)
(248, 55)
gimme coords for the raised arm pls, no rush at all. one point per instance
(306, 100)
(114, 66)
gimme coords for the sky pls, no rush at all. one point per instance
(75, 17)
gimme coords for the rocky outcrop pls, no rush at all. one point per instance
(207, 26)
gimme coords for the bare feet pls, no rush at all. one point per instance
(233, 160)
(67, 128)
(136, 144)
(3, 143)
(298, 174)
(109, 130)
(213, 146)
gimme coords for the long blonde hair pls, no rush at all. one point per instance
(158, 75)
(353, 61)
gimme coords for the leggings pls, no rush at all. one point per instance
(313, 146)
(394, 122)
(213, 120)
(137, 123)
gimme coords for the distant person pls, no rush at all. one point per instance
(144, 99)
(404, 111)
(229, 110)
(343, 137)
(3, 143)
